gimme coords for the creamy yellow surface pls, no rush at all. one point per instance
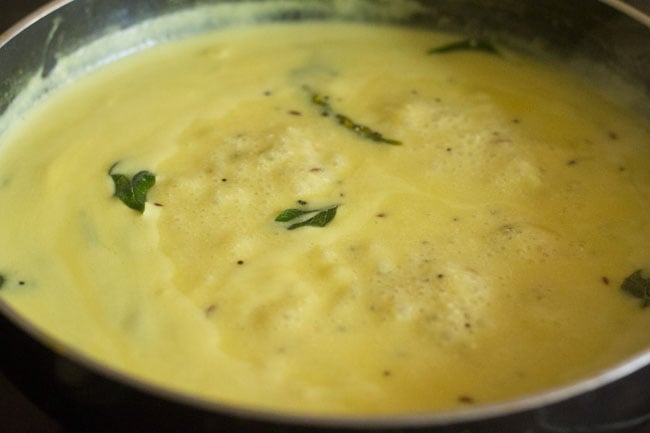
(478, 262)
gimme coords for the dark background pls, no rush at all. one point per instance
(17, 414)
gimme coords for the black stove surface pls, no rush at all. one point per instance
(17, 413)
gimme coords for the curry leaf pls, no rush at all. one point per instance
(365, 131)
(638, 287)
(345, 121)
(290, 214)
(319, 218)
(471, 44)
(2, 280)
(133, 192)
(142, 183)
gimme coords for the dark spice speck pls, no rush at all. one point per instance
(466, 399)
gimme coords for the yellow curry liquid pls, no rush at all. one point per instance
(479, 261)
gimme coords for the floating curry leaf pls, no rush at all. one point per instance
(638, 287)
(345, 121)
(321, 219)
(365, 131)
(300, 217)
(133, 192)
(471, 44)
(290, 214)
(2, 280)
